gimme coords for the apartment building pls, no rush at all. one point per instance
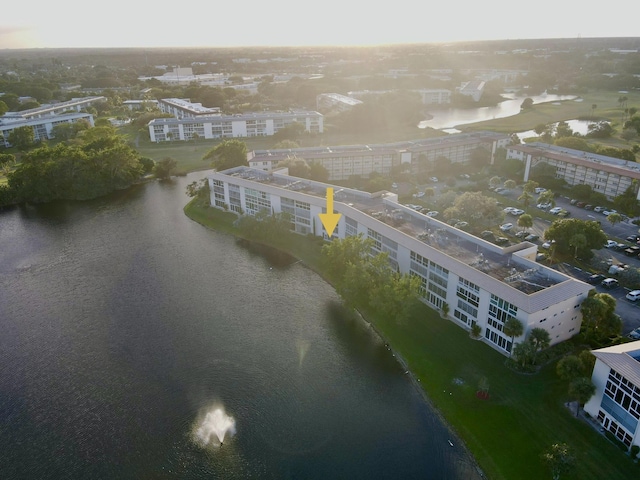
(480, 282)
(184, 108)
(421, 155)
(335, 102)
(606, 175)
(616, 403)
(231, 126)
(42, 125)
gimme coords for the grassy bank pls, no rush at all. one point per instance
(524, 415)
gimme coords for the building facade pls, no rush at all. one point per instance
(232, 126)
(421, 155)
(481, 283)
(336, 102)
(42, 125)
(184, 108)
(616, 403)
(606, 175)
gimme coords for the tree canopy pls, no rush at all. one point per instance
(566, 229)
(227, 154)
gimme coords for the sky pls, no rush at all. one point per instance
(195, 23)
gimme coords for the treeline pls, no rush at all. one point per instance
(74, 172)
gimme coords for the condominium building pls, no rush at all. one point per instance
(423, 155)
(335, 101)
(481, 283)
(42, 125)
(232, 126)
(184, 108)
(616, 403)
(436, 96)
(606, 175)
(473, 89)
(73, 105)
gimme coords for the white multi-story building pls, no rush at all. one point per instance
(42, 125)
(232, 126)
(70, 106)
(335, 101)
(422, 155)
(606, 175)
(473, 89)
(481, 283)
(616, 403)
(436, 96)
(184, 108)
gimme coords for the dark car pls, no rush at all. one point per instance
(588, 207)
(580, 204)
(632, 251)
(633, 238)
(488, 235)
(595, 279)
(501, 240)
(532, 238)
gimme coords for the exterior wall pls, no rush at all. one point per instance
(230, 126)
(473, 297)
(435, 97)
(42, 126)
(608, 412)
(611, 179)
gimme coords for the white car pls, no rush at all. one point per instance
(434, 179)
(540, 190)
(599, 209)
(506, 227)
(517, 212)
(606, 213)
(420, 194)
(509, 209)
(543, 206)
(610, 244)
(432, 213)
(633, 295)
(555, 210)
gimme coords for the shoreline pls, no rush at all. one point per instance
(472, 469)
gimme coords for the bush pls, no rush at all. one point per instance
(635, 449)
(616, 441)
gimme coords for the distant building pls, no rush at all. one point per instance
(438, 96)
(473, 89)
(184, 108)
(616, 403)
(607, 175)
(421, 155)
(75, 104)
(232, 126)
(334, 101)
(139, 104)
(42, 125)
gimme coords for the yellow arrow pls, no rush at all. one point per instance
(330, 220)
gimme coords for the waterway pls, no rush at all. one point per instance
(448, 118)
(124, 323)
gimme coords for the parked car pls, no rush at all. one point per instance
(620, 247)
(596, 278)
(633, 238)
(555, 210)
(573, 201)
(599, 209)
(606, 213)
(547, 245)
(580, 204)
(509, 209)
(532, 238)
(432, 213)
(610, 243)
(506, 227)
(543, 206)
(588, 207)
(434, 179)
(564, 213)
(501, 240)
(461, 225)
(488, 235)
(633, 295)
(540, 190)
(522, 234)
(632, 251)
(635, 334)
(517, 212)
(610, 283)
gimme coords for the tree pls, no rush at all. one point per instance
(593, 109)
(547, 197)
(227, 154)
(577, 241)
(527, 103)
(22, 137)
(524, 354)
(286, 145)
(582, 390)
(512, 328)
(472, 207)
(525, 198)
(540, 338)
(614, 218)
(563, 230)
(476, 331)
(525, 221)
(530, 186)
(599, 320)
(558, 459)
(494, 182)
(510, 184)
(298, 167)
(165, 168)
(569, 368)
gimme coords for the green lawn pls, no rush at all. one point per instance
(525, 413)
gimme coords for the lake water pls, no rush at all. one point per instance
(448, 118)
(124, 323)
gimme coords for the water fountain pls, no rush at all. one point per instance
(213, 428)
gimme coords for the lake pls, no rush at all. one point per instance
(130, 332)
(448, 118)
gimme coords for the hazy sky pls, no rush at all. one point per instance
(131, 23)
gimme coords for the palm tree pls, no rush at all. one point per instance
(582, 390)
(476, 331)
(512, 328)
(525, 221)
(593, 109)
(510, 184)
(525, 198)
(547, 197)
(614, 218)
